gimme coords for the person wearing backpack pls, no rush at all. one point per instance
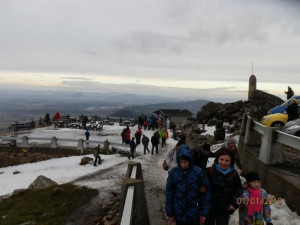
(97, 155)
(132, 148)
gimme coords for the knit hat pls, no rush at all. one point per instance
(230, 141)
(251, 176)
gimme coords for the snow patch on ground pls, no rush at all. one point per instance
(66, 169)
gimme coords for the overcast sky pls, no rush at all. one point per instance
(193, 49)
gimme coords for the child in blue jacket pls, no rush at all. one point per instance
(187, 191)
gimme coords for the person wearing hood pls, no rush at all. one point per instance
(187, 191)
(226, 188)
(231, 145)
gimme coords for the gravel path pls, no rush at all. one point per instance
(108, 180)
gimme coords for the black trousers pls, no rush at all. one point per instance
(156, 146)
(99, 160)
(146, 148)
(131, 155)
(222, 219)
(163, 141)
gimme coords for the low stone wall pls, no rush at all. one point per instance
(12, 156)
(276, 180)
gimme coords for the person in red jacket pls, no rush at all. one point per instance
(57, 116)
(127, 135)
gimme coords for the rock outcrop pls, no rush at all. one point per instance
(232, 113)
(259, 105)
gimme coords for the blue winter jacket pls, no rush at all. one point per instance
(184, 201)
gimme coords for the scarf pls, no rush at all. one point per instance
(254, 202)
(224, 172)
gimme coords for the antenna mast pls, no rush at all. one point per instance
(252, 67)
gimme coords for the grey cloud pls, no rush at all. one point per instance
(145, 42)
(76, 78)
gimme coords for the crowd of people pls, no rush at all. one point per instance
(159, 136)
(199, 195)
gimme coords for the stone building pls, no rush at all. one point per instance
(176, 116)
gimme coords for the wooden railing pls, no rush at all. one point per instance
(133, 206)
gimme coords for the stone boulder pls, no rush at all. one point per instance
(85, 160)
(42, 182)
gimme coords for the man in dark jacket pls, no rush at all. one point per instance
(201, 155)
(292, 110)
(185, 202)
(289, 93)
(155, 142)
(132, 149)
(87, 135)
(145, 142)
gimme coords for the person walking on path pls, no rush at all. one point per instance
(132, 148)
(292, 110)
(163, 135)
(97, 155)
(127, 135)
(170, 160)
(232, 146)
(138, 135)
(145, 142)
(289, 93)
(201, 155)
(48, 119)
(185, 203)
(254, 204)
(87, 135)
(155, 142)
(123, 136)
(226, 188)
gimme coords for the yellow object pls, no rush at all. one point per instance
(275, 120)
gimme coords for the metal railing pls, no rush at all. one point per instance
(270, 140)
